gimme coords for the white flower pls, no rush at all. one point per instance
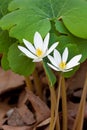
(40, 48)
(59, 63)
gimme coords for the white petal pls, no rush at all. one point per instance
(27, 52)
(65, 55)
(29, 46)
(57, 57)
(37, 60)
(67, 70)
(52, 48)
(46, 42)
(73, 65)
(52, 60)
(38, 41)
(53, 67)
(74, 61)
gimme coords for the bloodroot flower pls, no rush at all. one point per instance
(59, 63)
(40, 48)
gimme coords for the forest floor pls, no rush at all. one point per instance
(21, 109)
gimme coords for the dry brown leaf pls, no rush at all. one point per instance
(21, 116)
(77, 93)
(38, 107)
(7, 127)
(72, 109)
(9, 80)
(27, 115)
(70, 123)
(15, 119)
(77, 80)
(3, 109)
(72, 112)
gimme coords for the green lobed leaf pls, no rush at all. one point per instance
(18, 62)
(3, 7)
(76, 21)
(29, 16)
(60, 27)
(82, 46)
(79, 42)
(50, 75)
(67, 38)
(5, 41)
(4, 62)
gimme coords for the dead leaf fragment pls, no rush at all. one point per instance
(21, 116)
(3, 109)
(39, 108)
(7, 127)
(9, 80)
(27, 115)
(77, 80)
(15, 119)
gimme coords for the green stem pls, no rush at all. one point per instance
(28, 83)
(53, 99)
(53, 104)
(37, 82)
(80, 115)
(64, 104)
(57, 106)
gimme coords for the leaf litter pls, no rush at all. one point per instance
(29, 112)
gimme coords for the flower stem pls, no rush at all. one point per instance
(64, 104)
(37, 82)
(28, 83)
(52, 95)
(80, 115)
(53, 104)
(57, 106)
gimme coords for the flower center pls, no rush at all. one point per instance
(62, 65)
(39, 52)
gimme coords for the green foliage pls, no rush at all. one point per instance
(66, 20)
(79, 45)
(29, 16)
(5, 62)
(76, 21)
(5, 43)
(5, 40)
(3, 7)
(18, 62)
(67, 38)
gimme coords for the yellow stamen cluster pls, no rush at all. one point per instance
(39, 52)
(62, 65)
